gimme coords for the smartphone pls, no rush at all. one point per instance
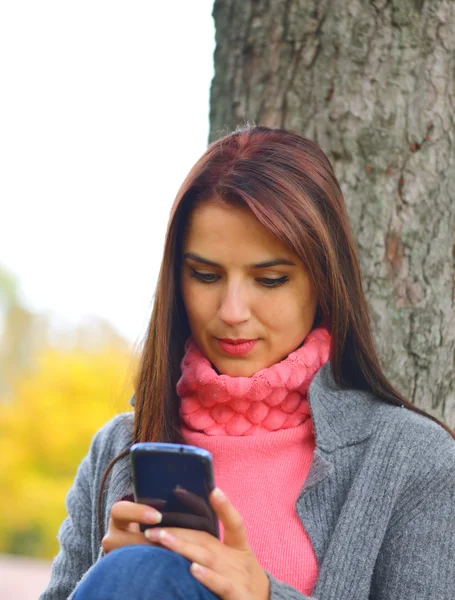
(176, 480)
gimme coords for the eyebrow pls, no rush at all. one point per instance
(264, 265)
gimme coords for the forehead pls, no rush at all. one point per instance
(221, 228)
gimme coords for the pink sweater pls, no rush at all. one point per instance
(260, 433)
(262, 475)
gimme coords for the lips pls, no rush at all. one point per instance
(237, 346)
(238, 341)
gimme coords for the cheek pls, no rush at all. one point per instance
(190, 301)
(287, 316)
(199, 304)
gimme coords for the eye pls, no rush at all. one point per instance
(204, 277)
(270, 282)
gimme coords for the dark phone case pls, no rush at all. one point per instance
(176, 480)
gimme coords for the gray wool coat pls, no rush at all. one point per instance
(378, 503)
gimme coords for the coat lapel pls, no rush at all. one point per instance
(342, 419)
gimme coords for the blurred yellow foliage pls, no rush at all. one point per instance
(46, 425)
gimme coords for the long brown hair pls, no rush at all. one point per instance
(289, 185)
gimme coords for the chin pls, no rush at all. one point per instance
(236, 370)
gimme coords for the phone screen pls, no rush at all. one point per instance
(176, 480)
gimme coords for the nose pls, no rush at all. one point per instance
(234, 306)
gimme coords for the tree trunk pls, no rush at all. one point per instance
(372, 83)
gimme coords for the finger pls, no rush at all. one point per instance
(234, 529)
(186, 521)
(119, 538)
(197, 504)
(123, 513)
(218, 584)
(193, 536)
(205, 555)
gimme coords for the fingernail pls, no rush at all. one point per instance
(197, 569)
(152, 534)
(153, 516)
(165, 537)
(218, 494)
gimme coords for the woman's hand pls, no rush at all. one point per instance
(230, 569)
(123, 527)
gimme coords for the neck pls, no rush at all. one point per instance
(272, 399)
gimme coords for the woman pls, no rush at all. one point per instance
(334, 486)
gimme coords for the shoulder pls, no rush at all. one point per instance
(407, 456)
(415, 449)
(418, 467)
(413, 432)
(114, 437)
(346, 417)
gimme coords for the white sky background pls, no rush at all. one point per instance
(103, 110)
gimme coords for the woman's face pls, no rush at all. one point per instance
(248, 297)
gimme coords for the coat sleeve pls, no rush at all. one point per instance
(80, 546)
(417, 556)
(75, 555)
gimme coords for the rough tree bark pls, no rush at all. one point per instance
(373, 82)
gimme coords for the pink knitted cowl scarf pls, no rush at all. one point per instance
(272, 399)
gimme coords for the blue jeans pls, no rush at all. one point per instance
(142, 573)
